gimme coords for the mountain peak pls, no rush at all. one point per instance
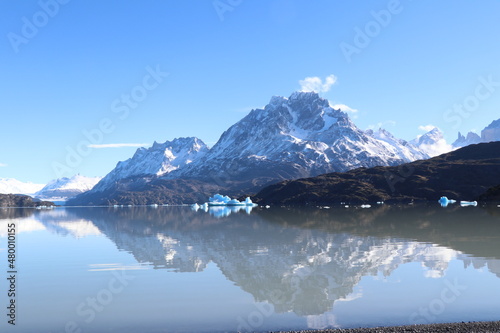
(66, 187)
(308, 95)
(289, 138)
(294, 137)
(158, 160)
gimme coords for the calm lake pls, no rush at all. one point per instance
(173, 269)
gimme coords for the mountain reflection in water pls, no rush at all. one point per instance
(300, 260)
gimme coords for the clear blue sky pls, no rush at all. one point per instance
(69, 73)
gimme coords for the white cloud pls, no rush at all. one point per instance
(438, 148)
(3, 165)
(316, 84)
(343, 107)
(426, 128)
(119, 145)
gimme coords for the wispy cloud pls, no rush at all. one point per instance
(426, 128)
(119, 145)
(437, 148)
(3, 165)
(316, 84)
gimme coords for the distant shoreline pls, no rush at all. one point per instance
(490, 326)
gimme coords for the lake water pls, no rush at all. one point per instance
(172, 269)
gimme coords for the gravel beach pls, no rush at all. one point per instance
(493, 326)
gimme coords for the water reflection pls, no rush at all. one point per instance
(300, 260)
(222, 211)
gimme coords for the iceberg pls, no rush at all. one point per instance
(444, 201)
(235, 202)
(224, 200)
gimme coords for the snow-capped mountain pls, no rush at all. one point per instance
(470, 139)
(158, 160)
(295, 137)
(289, 138)
(433, 143)
(63, 188)
(14, 186)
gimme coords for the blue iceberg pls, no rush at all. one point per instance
(444, 201)
(224, 200)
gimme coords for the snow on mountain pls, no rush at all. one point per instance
(14, 186)
(158, 160)
(402, 147)
(289, 138)
(63, 188)
(433, 143)
(462, 141)
(295, 137)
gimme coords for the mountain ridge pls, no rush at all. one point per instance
(290, 138)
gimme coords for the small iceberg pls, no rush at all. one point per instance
(468, 203)
(444, 201)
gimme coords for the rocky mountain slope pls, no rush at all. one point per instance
(19, 200)
(463, 174)
(160, 159)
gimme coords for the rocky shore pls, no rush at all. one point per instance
(492, 326)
